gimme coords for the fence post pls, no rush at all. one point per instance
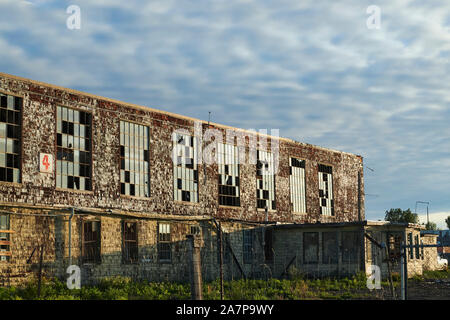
(40, 271)
(221, 260)
(402, 270)
(196, 273)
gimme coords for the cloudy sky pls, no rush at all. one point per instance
(312, 69)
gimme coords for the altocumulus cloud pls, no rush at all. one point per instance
(310, 68)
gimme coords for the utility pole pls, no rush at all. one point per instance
(427, 203)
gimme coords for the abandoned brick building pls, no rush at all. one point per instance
(96, 182)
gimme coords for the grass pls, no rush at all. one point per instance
(296, 288)
(120, 288)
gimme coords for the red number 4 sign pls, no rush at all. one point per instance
(46, 163)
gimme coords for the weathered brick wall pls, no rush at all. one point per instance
(289, 246)
(39, 189)
(39, 135)
(430, 254)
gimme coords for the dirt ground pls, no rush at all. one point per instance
(429, 289)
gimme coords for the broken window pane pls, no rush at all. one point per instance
(185, 168)
(72, 150)
(265, 181)
(326, 202)
(135, 168)
(228, 165)
(10, 133)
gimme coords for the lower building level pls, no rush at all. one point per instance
(106, 243)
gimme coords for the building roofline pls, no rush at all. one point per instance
(349, 224)
(175, 115)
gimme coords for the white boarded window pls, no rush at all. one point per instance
(265, 181)
(185, 174)
(326, 202)
(297, 185)
(228, 160)
(134, 159)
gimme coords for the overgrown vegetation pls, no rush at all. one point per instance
(120, 288)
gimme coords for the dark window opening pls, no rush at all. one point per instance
(351, 246)
(130, 242)
(91, 242)
(268, 245)
(5, 244)
(330, 247)
(248, 246)
(310, 247)
(164, 243)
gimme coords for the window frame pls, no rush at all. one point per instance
(351, 256)
(164, 243)
(21, 151)
(195, 170)
(91, 145)
(247, 246)
(290, 187)
(96, 257)
(5, 255)
(130, 245)
(317, 244)
(325, 254)
(260, 178)
(332, 199)
(119, 190)
(219, 176)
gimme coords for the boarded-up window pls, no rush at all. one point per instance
(228, 165)
(10, 137)
(130, 242)
(326, 202)
(73, 139)
(310, 247)
(164, 243)
(297, 185)
(185, 175)
(91, 242)
(5, 245)
(134, 159)
(268, 245)
(248, 246)
(265, 181)
(330, 247)
(351, 246)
